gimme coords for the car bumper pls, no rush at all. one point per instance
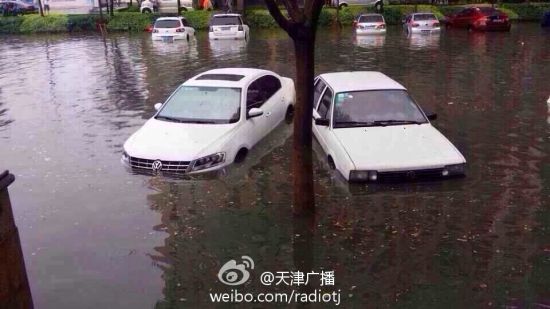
(169, 36)
(411, 174)
(369, 31)
(426, 31)
(240, 35)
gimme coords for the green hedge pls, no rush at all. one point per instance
(130, 21)
(198, 19)
(527, 11)
(10, 24)
(48, 23)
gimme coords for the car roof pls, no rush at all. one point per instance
(249, 74)
(422, 13)
(360, 80)
(228, 14)
(371, 14)
(170, 18)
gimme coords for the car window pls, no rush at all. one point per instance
(225, 20)
(324, 105)
(167, 24)
(318, 90)
(422, 17)
(203, 105)
(261, 90)
(375, 105)
(185, 22)
(370, 19)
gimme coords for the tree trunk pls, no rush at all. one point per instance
(111, 8)
(179, 7)
(302, 165)
(40, 8)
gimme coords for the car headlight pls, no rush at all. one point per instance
(208, 161)
(452, 170)
(363, 175)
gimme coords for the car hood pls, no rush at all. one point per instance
(394, 148)
(172, 141)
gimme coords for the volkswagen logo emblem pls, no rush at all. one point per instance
(157, 166)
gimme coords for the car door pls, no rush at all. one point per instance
(256, 97)
(274, 100)
(318, 89)
(323, 110)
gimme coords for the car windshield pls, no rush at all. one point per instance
(225, 20)
(371, 19)
(375, 108)
(424, 17)
(167, 23)
(202, 105)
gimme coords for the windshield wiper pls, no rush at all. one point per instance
(378, 123)
(396, 122)
(348, 124)
(169, 118)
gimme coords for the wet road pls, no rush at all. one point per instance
(95, 235)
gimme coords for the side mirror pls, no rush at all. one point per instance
(431, 115)
(322, 122)
(255, 112)
(157, 106)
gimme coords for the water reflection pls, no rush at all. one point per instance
(224, 48)
(423, 41)
(366, 41)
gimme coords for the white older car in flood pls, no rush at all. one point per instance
(371, 129)
(228, 27)
(210, 121)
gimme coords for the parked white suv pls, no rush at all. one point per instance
(228, 26)
(166, 6)
(211, 121)
(172, 28)
(371, 129)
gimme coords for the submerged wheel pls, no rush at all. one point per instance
(241, 155)
(187, 38)
(331, 163)
(289, 116)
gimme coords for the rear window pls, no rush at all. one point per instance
(489, 11)
(225, 20)
(425, 17)
(371, 19)
(167, 24)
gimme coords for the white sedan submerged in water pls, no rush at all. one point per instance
(371, 129)
(210, 121)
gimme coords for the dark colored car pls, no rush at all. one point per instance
(545, 19)
(14, 8)
(479, 18)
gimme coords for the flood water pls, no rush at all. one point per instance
(94, 235)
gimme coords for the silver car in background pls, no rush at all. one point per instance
(370, 24)
(421, 23)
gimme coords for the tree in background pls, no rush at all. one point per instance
(301, 26)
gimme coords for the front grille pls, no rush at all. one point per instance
(410, 175)
(167, 166)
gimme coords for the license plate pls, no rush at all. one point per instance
(167, 38)
(498, 20)
(226, 28)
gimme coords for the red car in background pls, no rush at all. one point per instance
(479, 18)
